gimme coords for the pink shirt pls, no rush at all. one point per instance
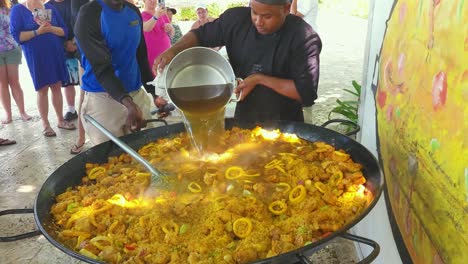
(157, 40)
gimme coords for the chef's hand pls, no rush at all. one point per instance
(162, 60)
(246, 86)
(135, 120)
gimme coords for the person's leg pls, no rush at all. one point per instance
(57, 102)
(17, 92)
(81, 131)
(5, 94)
(70, 93)
(69, 90)
(43, 106)
(105, 110)
(80, 141)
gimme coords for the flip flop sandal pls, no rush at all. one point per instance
(6, 142)
(49, 132)
(67, 126)
(76, 149)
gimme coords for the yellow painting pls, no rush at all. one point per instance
(422, 123)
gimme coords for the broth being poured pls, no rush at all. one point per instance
(203, 107)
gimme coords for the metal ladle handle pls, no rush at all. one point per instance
(124, 146)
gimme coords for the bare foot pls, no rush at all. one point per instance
(26, 117)
(6, 121)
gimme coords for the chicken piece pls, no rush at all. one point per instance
(245, 255)
(110, 255)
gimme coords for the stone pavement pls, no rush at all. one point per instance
(25, 166)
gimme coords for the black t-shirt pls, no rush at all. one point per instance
(290, 53)
(64, 8)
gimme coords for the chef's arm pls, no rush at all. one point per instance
(285, 87)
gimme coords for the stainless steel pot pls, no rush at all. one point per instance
(196, 66)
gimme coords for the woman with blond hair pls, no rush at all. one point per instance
(10, 59)
(40, 30)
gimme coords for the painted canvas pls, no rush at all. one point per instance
(422, 123)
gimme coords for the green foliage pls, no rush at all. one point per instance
(348, 109)
(187, 13)
(236, 4)
(214, 10)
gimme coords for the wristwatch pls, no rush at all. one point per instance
(155, 18)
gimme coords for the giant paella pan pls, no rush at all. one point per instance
(214, 210)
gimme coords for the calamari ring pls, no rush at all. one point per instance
(194, 187)
(278, 207)
(283, 187)
(273, 163)
(242, 227)
(321, 187)
(297, 194)
(170, 227)
(94, 171)
(234, 172)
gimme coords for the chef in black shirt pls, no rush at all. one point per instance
(277, 55)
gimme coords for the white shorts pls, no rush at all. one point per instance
(111, 114)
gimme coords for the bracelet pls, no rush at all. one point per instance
(155, 18)
(35, 33)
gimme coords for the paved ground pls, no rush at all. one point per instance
(25, 166)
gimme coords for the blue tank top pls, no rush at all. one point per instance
(121, 32)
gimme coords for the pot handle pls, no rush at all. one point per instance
(21, 236)
(158, 89)
(371, 257)
(237, 98)
(376, 247)
(356, 129)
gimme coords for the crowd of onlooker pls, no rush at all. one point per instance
(54, 60)
(49, 34)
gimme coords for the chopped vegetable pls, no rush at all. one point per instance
(72, 207)
(130, 246)
(87, 253)
(183, 229)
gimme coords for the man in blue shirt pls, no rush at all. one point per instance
(114, 57)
